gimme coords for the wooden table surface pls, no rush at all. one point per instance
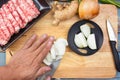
(99, 65)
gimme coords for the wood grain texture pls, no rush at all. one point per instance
(99, 65)
(8, 55)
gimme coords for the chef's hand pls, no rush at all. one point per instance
(26, 63)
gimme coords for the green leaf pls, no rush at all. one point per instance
(69, 0)
(79, 1)
(114, 2)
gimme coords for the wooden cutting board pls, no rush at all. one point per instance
(99, 65)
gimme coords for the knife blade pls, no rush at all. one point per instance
(119, 25)
(118, 35)
(113, 40)
(54, 67)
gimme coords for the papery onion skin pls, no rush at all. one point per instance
(88, 9)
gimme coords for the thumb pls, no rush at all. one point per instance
(43, 70)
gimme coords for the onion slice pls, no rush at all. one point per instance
(60, 46)
(80, 40)
(47, 62)
(92, 42)
(49, 58)
(59, 57)
(85, 29)
(57, 51)
(53, 52)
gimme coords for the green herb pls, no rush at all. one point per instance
(69, 0)
(79, 1)
(114, 2)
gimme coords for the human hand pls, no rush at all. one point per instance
(26, 63)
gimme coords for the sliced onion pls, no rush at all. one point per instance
(60, 46)
(59, 57)
(85, 29)
(49, 58)
(63, 41)
(47, 62)
(60, 49)
(57, 51)
(53, 52)
(92, 41)
(80, 40)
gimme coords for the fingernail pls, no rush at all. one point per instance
(34, 36)
(48, 69)
(44, 35)
(50, 42)
(51, 38)
(48, 78)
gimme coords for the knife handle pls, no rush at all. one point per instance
(115, 55)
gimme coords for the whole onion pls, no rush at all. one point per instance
(88, 9)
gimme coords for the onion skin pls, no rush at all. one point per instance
(88, 9)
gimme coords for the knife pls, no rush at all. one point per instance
(53, 66)
(113, 41)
